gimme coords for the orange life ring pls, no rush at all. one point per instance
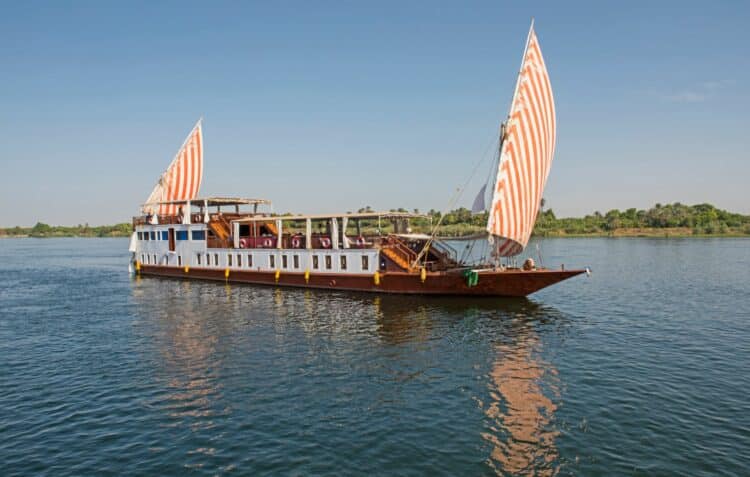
(267, 243)
(325, 242)
(244, 243)
(296, 241)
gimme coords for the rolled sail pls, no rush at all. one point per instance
(525, 156)
(182, 179)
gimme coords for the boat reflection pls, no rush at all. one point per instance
(518, 392)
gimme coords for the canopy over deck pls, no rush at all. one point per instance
(214, 201)
(361, 215)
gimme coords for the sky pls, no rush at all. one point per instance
(332, 106)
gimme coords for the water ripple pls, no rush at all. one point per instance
(640, 369)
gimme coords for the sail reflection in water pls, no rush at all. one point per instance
(186, 363)
(524, 391)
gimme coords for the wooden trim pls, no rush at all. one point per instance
(509, 283)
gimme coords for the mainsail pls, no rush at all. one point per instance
(526, 154)
(182, 179)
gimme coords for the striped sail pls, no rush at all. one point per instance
(182, 179)
(525, 156)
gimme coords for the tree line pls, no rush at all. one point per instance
(44, 230)
(700, 219)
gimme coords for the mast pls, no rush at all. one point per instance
(526, 149)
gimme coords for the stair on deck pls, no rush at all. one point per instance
(398, 251)
(397, 257)
(220, 228)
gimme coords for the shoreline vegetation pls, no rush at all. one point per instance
(668, 221)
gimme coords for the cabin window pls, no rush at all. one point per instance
(165, 235)
(229, 260)
(153, 235)
(199, 259)
(208, 259)
(143, 258)
(315, 262)
(156, 262)
(249, 260)
(145, 235)
(179, 260)
(328, 262)
(216, 259)
(199, 234)
(296, 261)
(272, 261)
(140, 235)
(239, 260)
(181, 235)
(284, 261)
(343, 262)
(365, 263)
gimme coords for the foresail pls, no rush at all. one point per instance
(525, 156)
(182, 179)
(478, 206)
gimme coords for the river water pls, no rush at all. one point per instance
(641, 369)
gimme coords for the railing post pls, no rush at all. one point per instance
(279, 234)
(308, 233)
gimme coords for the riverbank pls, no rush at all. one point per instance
(667, 221)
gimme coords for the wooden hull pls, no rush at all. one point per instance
(510, 283)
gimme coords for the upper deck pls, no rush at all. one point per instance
(226, 223)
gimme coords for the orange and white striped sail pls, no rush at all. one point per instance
(525, 156)
(182, 179)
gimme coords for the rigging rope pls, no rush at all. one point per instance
(454, 199)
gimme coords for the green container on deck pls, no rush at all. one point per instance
(472, 278)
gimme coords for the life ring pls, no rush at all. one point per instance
(267, 243)
(325, 242)
(360, 241)
(244, 243)
(296, 241)
(197, 218)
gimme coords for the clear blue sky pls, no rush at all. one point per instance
(329, 106)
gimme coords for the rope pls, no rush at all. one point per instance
(452, 202)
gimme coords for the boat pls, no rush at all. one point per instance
(230, 239)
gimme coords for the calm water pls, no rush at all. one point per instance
(641, 369)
